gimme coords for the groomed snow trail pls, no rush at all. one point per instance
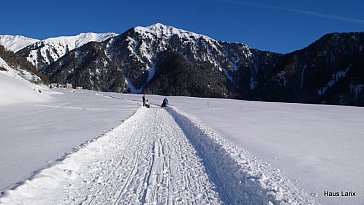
(146, 160)
(159, 156)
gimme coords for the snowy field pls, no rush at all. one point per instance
(77, 146)
(318, 147)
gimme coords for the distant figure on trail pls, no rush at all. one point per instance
(165, 103)
(147, 105)
(143, 100)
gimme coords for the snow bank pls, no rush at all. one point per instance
(16, 91)
(34, 135)
(16, 88)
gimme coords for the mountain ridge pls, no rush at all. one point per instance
(243, 72)
(141, 60)
(44, 52)
(15, 43)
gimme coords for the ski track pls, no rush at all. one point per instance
(158, 156)
(146, 160)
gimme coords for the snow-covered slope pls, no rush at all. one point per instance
(16, 86)
(16, 43)
(43, 53)
(17, 73)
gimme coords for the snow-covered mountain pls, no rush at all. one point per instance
(42, 53)
(145, 44)
(164, 60)
(138, 55)
(16, 43)
(161, 59)
(151, 40)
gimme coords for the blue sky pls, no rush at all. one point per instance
(275, 25)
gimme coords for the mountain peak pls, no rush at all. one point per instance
(157, 25)
(165, 31)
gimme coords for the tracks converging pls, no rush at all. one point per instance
(157, 156)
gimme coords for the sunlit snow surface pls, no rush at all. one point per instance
(317, 147)
(16, 86)
(15, 43)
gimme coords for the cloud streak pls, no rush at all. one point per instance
(236, 23)
(300, 11)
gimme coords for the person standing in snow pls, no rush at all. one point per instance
(165, 103)
(143, 100)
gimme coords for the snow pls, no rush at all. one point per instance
(15, 43)
(317, 146)
(164, 33)
(32, 57)
(198, 151)
(151, 72)
(240, 178)
(138, 162)
(17, 91)
(109, 43)
(282, 78)
(36, 134)
(253, 82)
(79, 40)
(16, 88)
(59, 46)
(334, 78)
(303, 75)
(141, 161)
(160, 35)
(131, 87)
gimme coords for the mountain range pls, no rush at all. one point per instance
(164, 60)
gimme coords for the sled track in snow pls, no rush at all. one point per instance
(158, 156)
(239, 177)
